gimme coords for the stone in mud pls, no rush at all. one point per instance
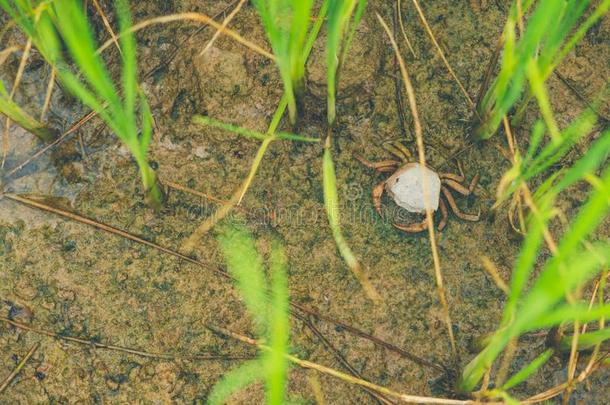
(222, 73)
(406, 187)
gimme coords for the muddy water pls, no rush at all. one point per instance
(71, 279)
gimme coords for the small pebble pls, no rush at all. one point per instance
(111, 384)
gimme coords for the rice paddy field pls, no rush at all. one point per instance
(102, 303)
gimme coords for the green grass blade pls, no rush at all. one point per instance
(358, 14)
(536, 54)
(586, 340)
(18, 115)
(235, 380)
(588, 218)
(571, 313)
(147, 123)
(528, 370)
(72, 23)
(246, 266)
(525, 263)
(338, 17)
(596, 155)
(279, 328)
(593, 18)
(331, 204)
(129, 71)
(286, 23)
(248, 133)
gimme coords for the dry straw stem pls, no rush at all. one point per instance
(113, 36)
(492, 270)
(49, 93)
(225, 23)
(189, 244)
(17, 369)
(426, 187)
(442, 55)
(316, 388)
(402, 28)
(345, 377)
(558, 389)
(7, 123)
(199, 17)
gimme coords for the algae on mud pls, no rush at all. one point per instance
(73, 280)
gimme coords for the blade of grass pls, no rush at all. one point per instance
(236, 380)
(528, 370)
(199, 119)
(246, 266)
(331, 204)
(279, 326)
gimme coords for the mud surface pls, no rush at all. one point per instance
(71, 279)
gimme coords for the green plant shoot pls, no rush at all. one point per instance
(270, 316)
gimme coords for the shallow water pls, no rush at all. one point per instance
(75, 280)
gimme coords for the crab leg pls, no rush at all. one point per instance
(474, 182)
(458, 213)
(383, 166)
(412, 228)
(454, 185)
(399, 150)
(444, 214)
(377, 193)
(452, 176)
(451, 181)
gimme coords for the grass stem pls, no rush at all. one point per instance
(426, 187)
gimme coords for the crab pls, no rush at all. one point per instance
(405, 187)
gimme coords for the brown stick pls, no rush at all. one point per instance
(141, 353)
(17, 369)
(218, 271)
(342, 376)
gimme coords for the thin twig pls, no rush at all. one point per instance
(113, 36)
(397, 87)
(61, 138)
(122, 349)
(218, 271)
(402, 28)
(582, 98)
(414, 358)
(378, 397)
(6, 138)
(342, 376)
(442, 55)
(188, 190)
(426, 187)
(47, 97)
(199, 17)
(19, 367)
(224, 25)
